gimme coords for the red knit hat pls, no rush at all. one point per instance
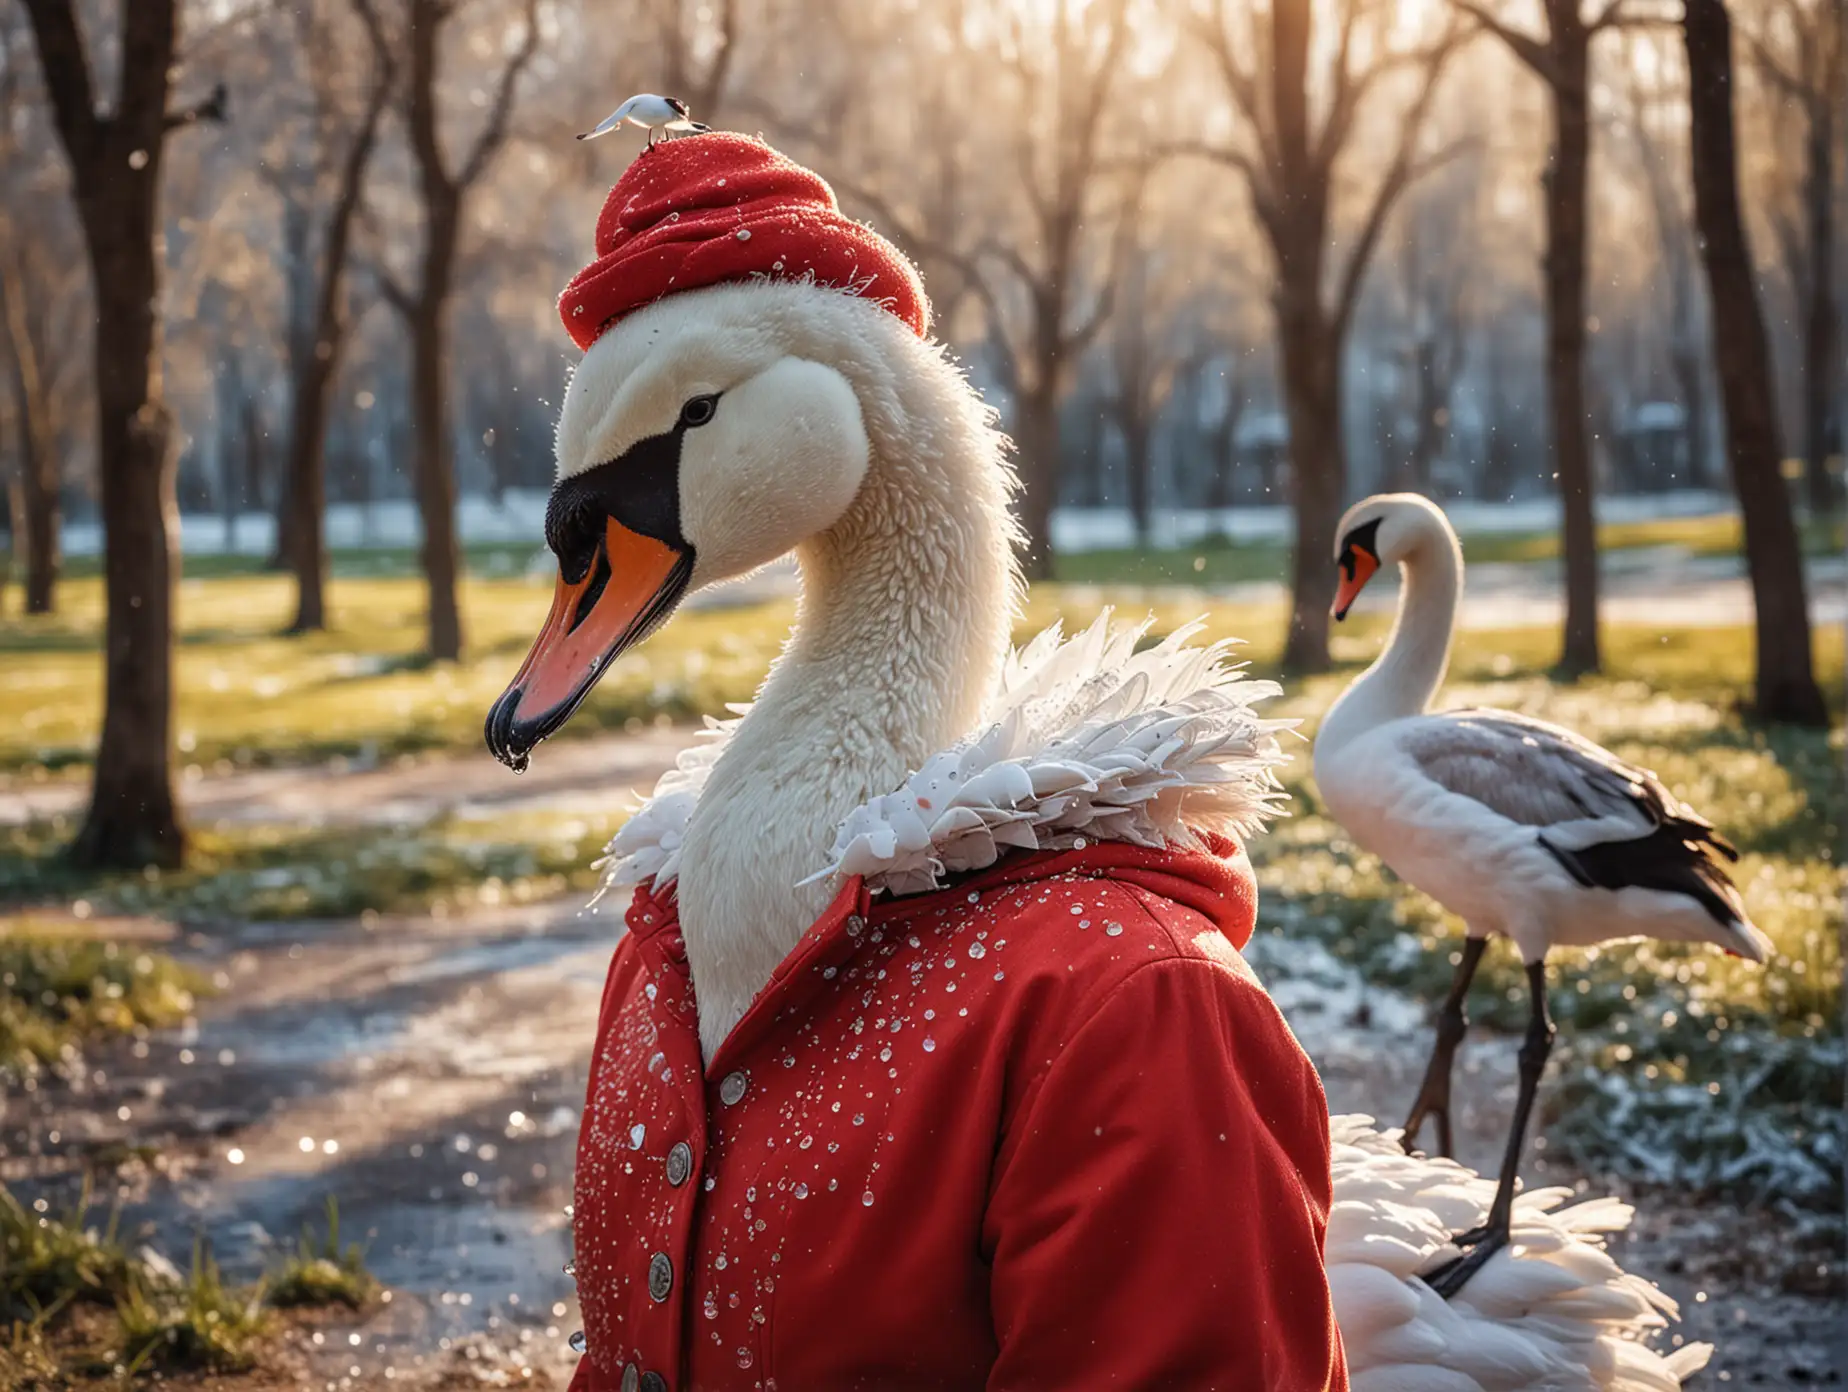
(706, 209)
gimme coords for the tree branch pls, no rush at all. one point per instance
(494, 133)
(66, 66)
(1526, 47)
(1241, 82)
(1614, 16)
(1400, 175)
(215, 108)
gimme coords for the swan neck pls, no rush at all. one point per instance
(1405, 678)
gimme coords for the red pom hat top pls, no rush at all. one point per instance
(707, 209)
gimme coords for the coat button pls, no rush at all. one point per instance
(653, 1382)
(660, 1277)
(631, 1377)
(731, 1091)
(679, 1164)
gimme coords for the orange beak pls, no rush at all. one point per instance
(631, 587)
(1357, 567)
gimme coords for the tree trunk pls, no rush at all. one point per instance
(1225, 450)
(1318, 473)
(1565, 328)
(1820, 320)
(43, 516)
(305, 483)
(1691, 380)
(317, 368)
(434, 471)
(13, 494)
(115, 163)
(37, 532)
(1137, 468)
(1038, 430)
(1786, 685)
(132, 820)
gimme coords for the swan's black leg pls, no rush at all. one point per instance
(1452, 1024)
(1485, 1241)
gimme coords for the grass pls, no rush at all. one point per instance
(269, 871)
(321, 1272)
(56, 991)
(52, 1269)
(201, 1323)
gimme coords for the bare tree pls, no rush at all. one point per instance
(444, 187)
(24, 281)
(1786, 683)
(31, 278)
(698, 44)
(1687, 349)
(1561, 58)
(115, 164)
(1432, 290)
(343, 148)
(1814, 81)
(1143, 369)
(1065, 88)
(1289, 167)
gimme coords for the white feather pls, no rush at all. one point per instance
(1553, 1313)
(1085, 739)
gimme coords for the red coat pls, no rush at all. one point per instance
(1042, 1130)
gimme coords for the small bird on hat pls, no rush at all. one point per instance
(651, 113)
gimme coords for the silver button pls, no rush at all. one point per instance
(631, 1377)
(653, 1382)
(660, 1277)
(731, 1091)
(679, 1164)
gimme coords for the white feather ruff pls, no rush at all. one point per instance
(1554, 1314)
(1085, 739)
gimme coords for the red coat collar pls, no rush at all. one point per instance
(1213, 882)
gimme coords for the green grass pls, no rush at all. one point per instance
(271, 871)
(322, 1272)
(48, 1263)
(248, 695)
(202, 1323)
(53, 1268)
(57, 991)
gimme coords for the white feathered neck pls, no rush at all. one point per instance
(1082, 739)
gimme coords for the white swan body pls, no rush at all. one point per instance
(1515, 825)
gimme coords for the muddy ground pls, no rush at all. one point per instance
(427, 1072)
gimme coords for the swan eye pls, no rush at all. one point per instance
(699, 411)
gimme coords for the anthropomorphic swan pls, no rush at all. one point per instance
(896, 744)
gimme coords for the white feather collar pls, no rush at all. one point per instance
(1085, 739)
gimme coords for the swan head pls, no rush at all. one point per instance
(699, 439)
(1384, 530)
